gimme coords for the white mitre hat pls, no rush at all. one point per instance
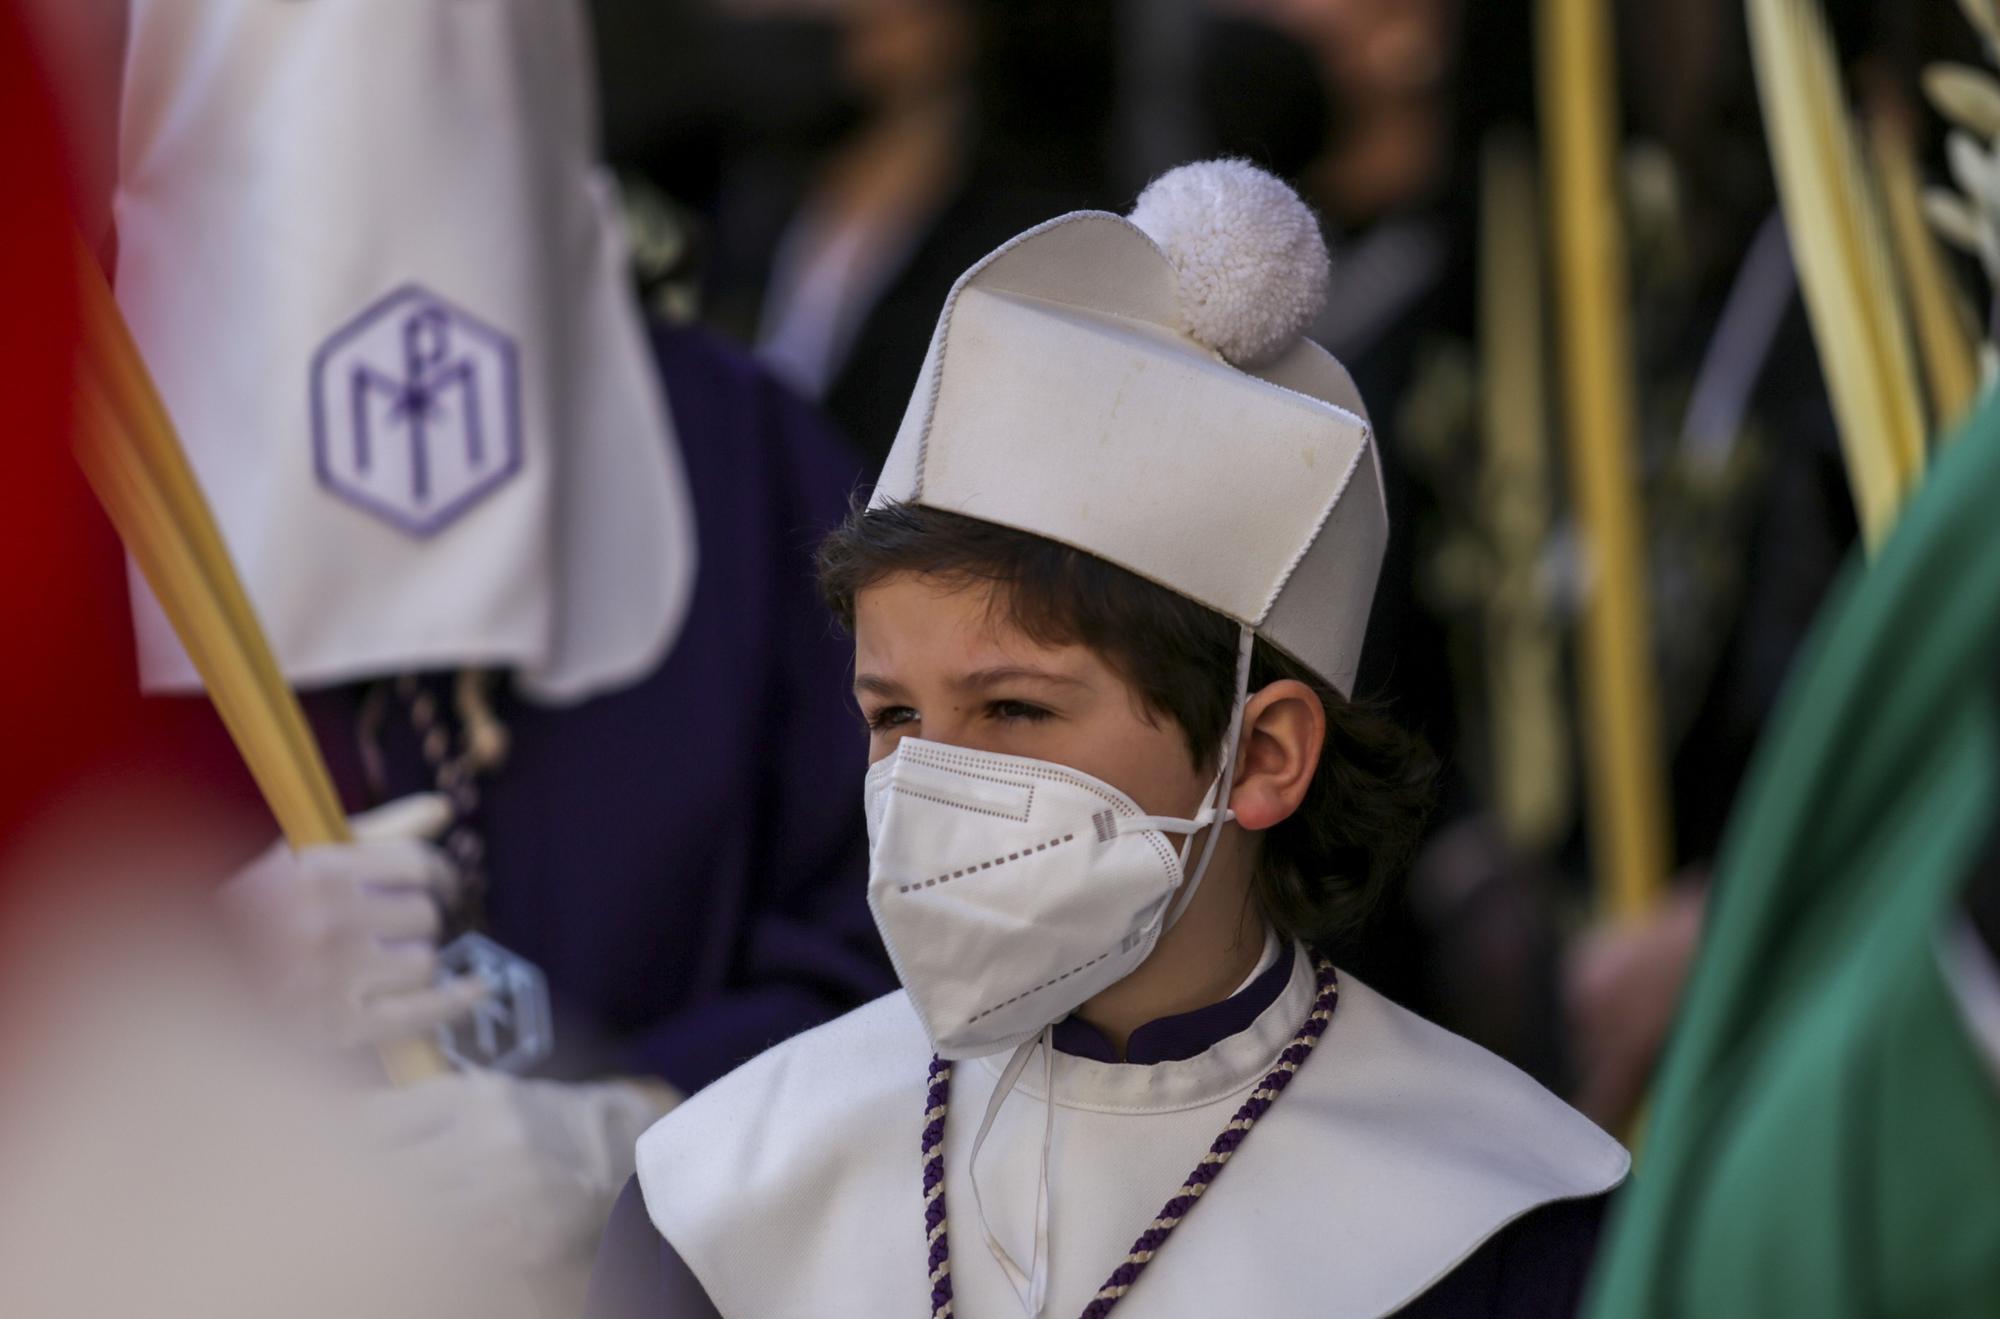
(1138, 389)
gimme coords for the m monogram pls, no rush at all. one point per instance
(416, 411)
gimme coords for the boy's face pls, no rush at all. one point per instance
(938, 660)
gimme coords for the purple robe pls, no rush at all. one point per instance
(686, 858)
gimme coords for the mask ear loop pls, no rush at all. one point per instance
(1215, 806)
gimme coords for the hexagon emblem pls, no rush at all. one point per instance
(416, 411)
(509, 1031)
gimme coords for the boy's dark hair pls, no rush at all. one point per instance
(1320, 872)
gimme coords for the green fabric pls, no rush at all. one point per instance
(1825, 1138)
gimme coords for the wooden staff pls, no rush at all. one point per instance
(127, 447)
(1627, 797)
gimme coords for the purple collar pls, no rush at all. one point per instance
(1177, 1038)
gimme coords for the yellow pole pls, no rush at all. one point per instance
(126, 445)
(1627, 795)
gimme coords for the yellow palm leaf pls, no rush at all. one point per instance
(1839, 245)
(1946, 342)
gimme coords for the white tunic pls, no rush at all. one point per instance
(792, 1187)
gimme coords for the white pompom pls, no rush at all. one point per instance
(1252, 263)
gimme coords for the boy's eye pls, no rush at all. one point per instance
(889, 716)
(1017, 712)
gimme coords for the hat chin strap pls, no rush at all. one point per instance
(1031, 1285)
(1215, 804)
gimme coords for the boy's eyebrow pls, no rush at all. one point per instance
(983, 678)
(978, 680)
(879, 686)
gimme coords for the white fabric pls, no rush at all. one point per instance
(529, 1169)
(791, 1187)
(1268, 958)
(323, 205)
(1061, 396)
(1010, 890)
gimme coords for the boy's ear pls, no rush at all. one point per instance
(1284, 729)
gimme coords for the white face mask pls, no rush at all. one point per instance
(1009, 891)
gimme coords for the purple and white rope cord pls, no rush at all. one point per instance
(937, 1100)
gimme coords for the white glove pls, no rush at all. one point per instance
(529, 1168)
(344, 936)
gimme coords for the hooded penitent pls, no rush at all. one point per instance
(369, 256)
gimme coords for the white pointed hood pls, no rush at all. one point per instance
(369, 255)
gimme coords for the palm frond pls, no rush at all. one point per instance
(1947, 344)
(1845, 271)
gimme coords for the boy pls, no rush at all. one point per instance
(1107, 605)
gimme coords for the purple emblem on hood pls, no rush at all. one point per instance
(416, 411)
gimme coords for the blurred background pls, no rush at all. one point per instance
(810, 178)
